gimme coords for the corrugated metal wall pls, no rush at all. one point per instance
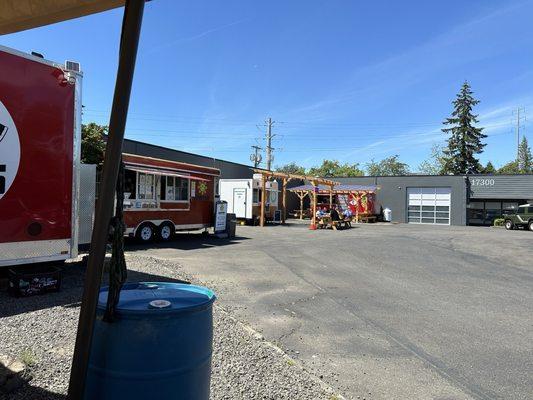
(393, 193)
(501, 187)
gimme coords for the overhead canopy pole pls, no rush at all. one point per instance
(263, 200)
(313, 217)
(131, 28)
(284, 201)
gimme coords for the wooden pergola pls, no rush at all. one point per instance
(357, 191)
(285, 178)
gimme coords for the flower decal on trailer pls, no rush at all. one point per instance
(202, 188)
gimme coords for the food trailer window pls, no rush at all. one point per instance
(145, 186)
(176, 189)
(256, 198)
(129, 183)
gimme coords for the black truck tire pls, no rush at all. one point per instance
(145, 233)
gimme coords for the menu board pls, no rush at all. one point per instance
(220, 216)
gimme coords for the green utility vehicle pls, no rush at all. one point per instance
(522, 218)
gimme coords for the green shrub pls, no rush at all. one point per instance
(499, 222)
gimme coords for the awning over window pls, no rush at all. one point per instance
(158, 172)
(164, 172)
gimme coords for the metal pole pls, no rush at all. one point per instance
(518, 135)
(269, 145)
(131, 28)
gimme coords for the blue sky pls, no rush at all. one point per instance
(346, 80)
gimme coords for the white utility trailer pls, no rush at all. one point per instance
(244, 197)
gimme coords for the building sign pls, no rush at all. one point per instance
(220, 216)
(9, 150)
(505, 187)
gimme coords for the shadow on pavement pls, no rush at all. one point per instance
(185, 241)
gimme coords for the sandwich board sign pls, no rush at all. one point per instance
(220, 217)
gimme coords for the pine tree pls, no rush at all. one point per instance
(525, 161)
(489, 168)
(465, 139)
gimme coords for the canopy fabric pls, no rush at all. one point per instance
(19, 15)
(336, 189)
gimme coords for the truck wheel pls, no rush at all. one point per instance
(509, 225)
(145, 233)
(530, 225)
(166, 231)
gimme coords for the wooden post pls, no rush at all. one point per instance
(330, 197)
(301, 196)
(356, 208)
(131, 28)
(263, 200)
(313, 220)
(284, 201)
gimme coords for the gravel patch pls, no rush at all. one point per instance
(245, 365)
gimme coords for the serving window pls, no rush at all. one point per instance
(145, 186)
(174, 188)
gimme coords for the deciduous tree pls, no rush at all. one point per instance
(291, 168)
(333, 168)
(92, 143)
(388, 166)
(434, 165)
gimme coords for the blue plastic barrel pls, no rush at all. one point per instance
(159, 347)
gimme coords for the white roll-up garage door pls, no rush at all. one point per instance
(429, 205)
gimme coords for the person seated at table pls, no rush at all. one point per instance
(334, 214)
(320, 213)
(347, 213)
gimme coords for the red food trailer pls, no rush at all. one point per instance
(162, 197)
(40, 135)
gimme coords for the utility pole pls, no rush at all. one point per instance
(519, 118)
(256, 157)
(269, 147)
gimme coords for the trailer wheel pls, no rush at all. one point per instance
(166, 231)
(509, 225)
(145, 233)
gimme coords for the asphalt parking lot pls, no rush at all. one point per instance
(382, 311)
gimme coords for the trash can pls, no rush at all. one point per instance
(231, 225)
(387, 215)
(159, 347)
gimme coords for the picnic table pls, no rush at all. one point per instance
(325, 221)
